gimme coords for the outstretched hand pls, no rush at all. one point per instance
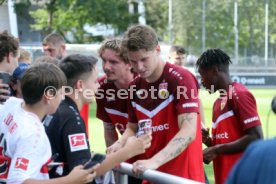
(138, 145)
(140, 166)
(114, 147)
(206, 139)
(79, 175)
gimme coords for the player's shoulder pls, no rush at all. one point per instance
(240, 95)
(28, 124)
(177, 72)
(9, 105)
(12, 110)
(12, 102)
(179, 75)
(64, 107)
(239, 90)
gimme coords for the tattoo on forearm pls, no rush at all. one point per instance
(178, 144)
(179, 140)
(187, 118)
(183, 144)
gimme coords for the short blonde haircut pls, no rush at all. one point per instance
(24, 56)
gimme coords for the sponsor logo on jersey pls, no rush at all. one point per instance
(250, 120)
(188, 105)
(158, 128)
(77, 142)
(223, 135)
(21, 163)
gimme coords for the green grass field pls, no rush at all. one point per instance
(263, 97)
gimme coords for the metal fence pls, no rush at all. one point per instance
(154, 176)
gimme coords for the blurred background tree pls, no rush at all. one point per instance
(219, 24)
(73, 18)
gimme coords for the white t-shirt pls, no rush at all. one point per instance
(26, 142)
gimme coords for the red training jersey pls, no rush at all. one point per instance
(174, 93)
(232, 115)
(112, 104)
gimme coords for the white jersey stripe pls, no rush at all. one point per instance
(115, 112)
(155, 111)
(222, 117)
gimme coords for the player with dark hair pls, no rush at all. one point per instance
(54, 46)
(177, 55)
(236, 122)
(273, 105)
(66, 126)
(9, 53)
(175, 122)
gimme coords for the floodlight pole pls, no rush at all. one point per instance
(203, 25)
(170, 22)
(266, 33)
(236, 31)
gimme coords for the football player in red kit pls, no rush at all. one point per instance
(167, 96)
(111, 108)
(111, 101)
(236, 122)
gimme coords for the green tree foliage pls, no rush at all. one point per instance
(219, 24)
(73, 16)
(157, 17)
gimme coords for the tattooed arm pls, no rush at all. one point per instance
(187, 133)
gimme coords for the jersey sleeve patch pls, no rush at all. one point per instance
(77, 142)
(21, 163)
(250, 120)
